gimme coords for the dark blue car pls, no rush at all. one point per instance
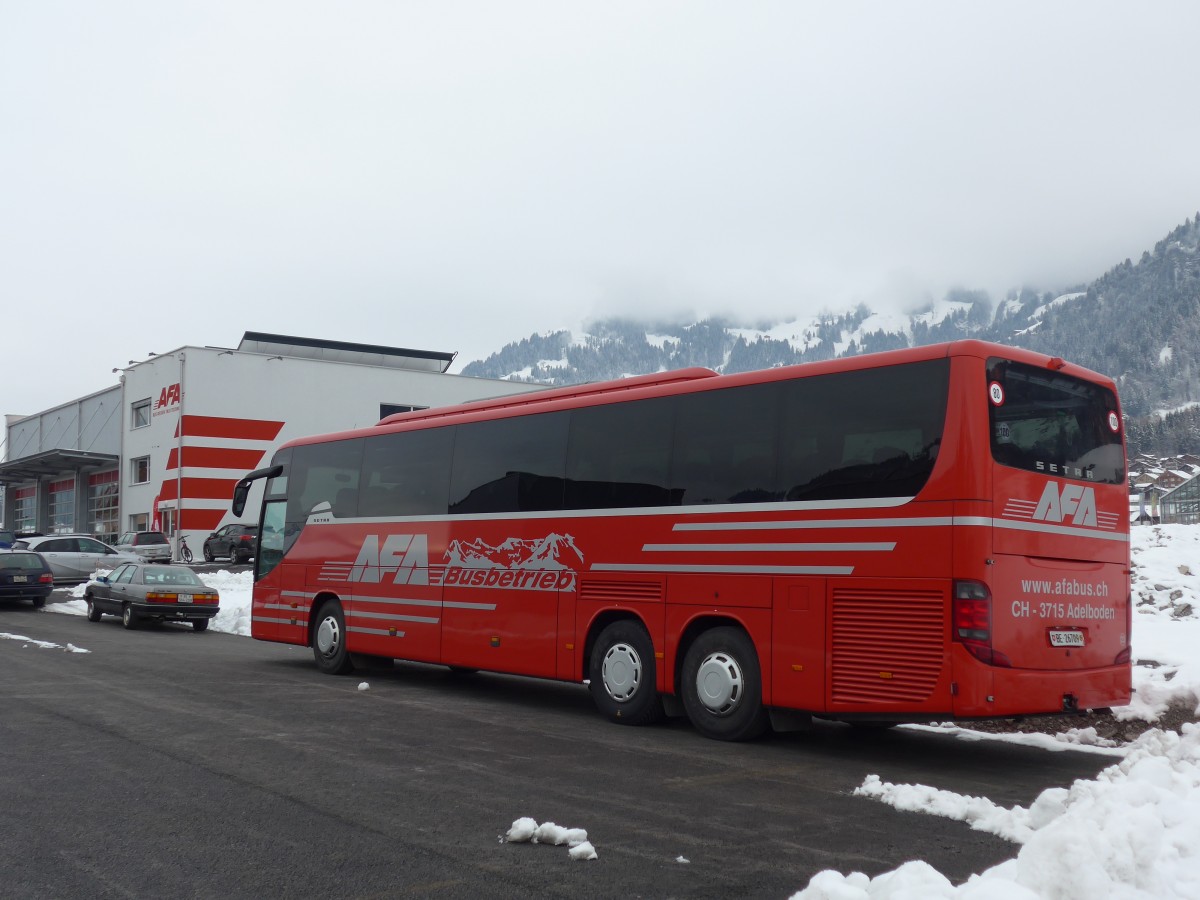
(25, 576)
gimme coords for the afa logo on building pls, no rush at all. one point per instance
(168, 400)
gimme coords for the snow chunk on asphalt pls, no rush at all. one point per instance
(527, 830)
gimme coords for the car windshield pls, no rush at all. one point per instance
(170, 575)
(20, 561)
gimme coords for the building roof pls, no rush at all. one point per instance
(345, 352)
(52, 462)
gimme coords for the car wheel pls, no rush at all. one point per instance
(94, 614)
(128, 617)
(622, 675)
(39, 602)
(208, 554)
(329, 640)
(200, 624)
(234, 556)
(722, 686)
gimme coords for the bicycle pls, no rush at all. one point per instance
(184, 553)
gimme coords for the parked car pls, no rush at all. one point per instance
(25, 576)
(7, 538)
(151, 546)
(138, 592)
(74, 557)
(234, 541)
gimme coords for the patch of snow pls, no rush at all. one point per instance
(1057, 301)
(1164, 355)
(661, 340)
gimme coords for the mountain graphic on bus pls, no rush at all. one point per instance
(554, 551)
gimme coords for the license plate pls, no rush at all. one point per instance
(1066, 638)
(187, 598)
(20, 579)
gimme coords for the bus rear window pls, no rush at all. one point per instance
(1054, 424)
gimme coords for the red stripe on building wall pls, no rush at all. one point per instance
(199, 489)
(200, 519)
(104, 478)
(216, 458)
(241, 429)
(24, 493)
(65, 484)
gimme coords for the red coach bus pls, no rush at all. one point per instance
(913, 535)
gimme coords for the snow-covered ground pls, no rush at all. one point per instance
(1132, 832)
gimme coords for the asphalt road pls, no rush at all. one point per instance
(166, 763)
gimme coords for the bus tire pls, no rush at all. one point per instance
(722, 686)
(622, 675)
(329, 640)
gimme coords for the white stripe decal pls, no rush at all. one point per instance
(274, 621)
(1060, 529)
(394, 601)
(927, 522)
(427, 620)
(769, 548)
(455, 604)
(381, 631)
(697, 509)
(739, 570)
(931, 521)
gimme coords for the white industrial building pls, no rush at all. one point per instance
(164, 447)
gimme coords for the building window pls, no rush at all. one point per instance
(103, 495)
(139, 522)
(25, 509)
(62, 505)
(140, 412)
(390, 409)
(139, 470)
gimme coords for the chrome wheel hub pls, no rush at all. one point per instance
(329, 636)
(621, 672)
(719, 683)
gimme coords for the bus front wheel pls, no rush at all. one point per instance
(622, 676)
(329, 640)
(722, 686)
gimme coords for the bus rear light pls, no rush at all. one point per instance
(971, 621)
(972, 611)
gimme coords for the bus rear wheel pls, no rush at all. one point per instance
(722, 686)
(329, 640)
(622, 675)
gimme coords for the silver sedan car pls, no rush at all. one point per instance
(74, 557)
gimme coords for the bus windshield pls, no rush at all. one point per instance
(1054, 424)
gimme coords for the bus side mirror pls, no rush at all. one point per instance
(242, 489)
(240, 492)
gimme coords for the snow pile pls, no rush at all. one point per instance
(43, 645)
(1132, 832)
(527, 830)
(1166, 569)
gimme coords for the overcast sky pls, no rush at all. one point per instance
(454, 176)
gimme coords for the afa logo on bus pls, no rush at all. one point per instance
(514, 564)
(1076, 501)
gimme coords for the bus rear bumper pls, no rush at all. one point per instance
(1023, 692)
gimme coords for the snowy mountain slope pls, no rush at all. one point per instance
(1139, 323)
